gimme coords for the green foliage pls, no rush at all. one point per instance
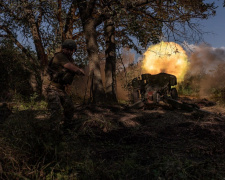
(39, 105)
(124, 102)
(186, 89)
(31, 102)
(146, 31)
(15, 72)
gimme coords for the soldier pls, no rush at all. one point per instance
(60, 73)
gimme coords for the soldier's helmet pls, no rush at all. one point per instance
(69, 44)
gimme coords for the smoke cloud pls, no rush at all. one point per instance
(207, 65)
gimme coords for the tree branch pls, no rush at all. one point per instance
(40, 13)
(70, 19)
(8, 10)
(19, 45)
(59, 17)
(4, 35)
(86, 8)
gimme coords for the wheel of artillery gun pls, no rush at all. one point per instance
(174, 93)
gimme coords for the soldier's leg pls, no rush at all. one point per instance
(68, 109)
(54, 104)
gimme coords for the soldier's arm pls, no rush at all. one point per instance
(73, 68)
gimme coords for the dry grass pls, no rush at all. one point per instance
(114, 143)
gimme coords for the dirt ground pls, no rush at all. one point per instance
(167, 143)
(157, 142)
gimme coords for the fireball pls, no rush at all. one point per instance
(166, 57)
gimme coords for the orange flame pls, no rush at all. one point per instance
(167, 57)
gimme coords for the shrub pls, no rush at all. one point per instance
(15, 72)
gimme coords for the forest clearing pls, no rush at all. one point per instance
(112, 90)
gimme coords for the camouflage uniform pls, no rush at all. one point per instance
(59, 102)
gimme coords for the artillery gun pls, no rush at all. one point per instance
(151, 89)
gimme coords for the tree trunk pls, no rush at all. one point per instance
(110, 65)
(39, 47)
(42, 57)
(92, 49)
(70, 19)
(34, 28)
(59, 17)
